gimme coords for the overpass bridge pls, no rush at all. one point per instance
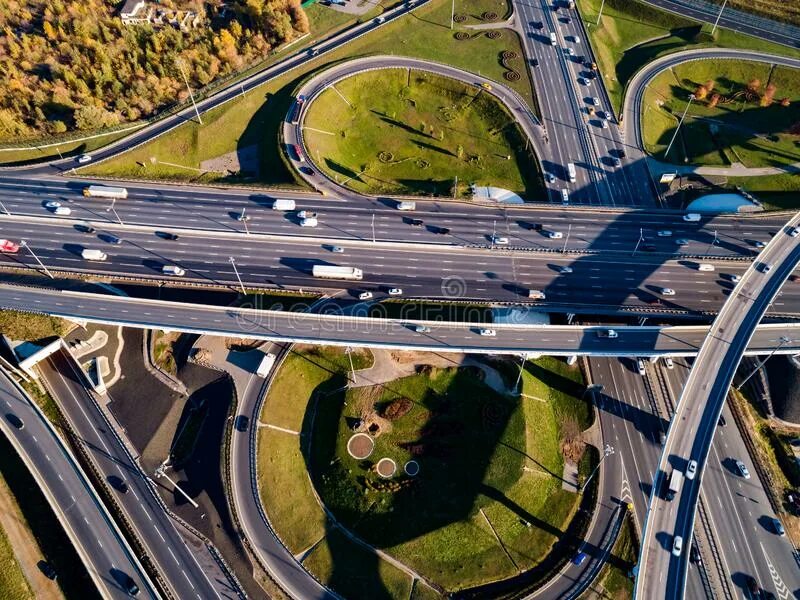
(401, 334)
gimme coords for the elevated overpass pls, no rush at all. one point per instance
(363, 331)
(662, 571)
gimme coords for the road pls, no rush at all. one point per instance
(574, 135)
(95, 536)
(168, 550)
(760, 27)
(740, 508)
(662, 570)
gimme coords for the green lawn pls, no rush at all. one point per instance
(475, 9)
(410, 132)
(13, 585)
(787, 11)
(777, 192)
(254, 121)
(631, 34)
(477, 450)
(31, 327)
(614, 578)
(67, 148)
(355, 572)
(738, 129)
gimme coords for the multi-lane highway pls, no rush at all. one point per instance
(174, 559)
(662, 564)
(111, 563)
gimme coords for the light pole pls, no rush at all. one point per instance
(349, 352)
(716, 22)
(678, 128)
(783, 340)
(114, 210)
(24, 244)
(161, 471)
(244, 219)
(714, 242)
(235, 270)
(522, 359)
(452, 13)
(607, 451)
(566, 239)
(639, 241)
(373, 228)
(600, 14)
(5, 210)
(191, 95)
(494, 234)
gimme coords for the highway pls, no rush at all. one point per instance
(96, 538)
(168, 550)
(740, 508)
(663, 570)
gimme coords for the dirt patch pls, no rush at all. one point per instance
(386, 467)
(360, 446)
(572, 443)
(243, 161)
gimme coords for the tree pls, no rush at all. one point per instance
(701, 92)
(785, 102)
(769, 94)
(715, 98)
(94, 117)
(709, 85)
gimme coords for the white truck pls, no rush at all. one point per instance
(282, 204)
(92, 254)
(173, 270)
(675, 480)
(103, 191)
(552, 39)
(406, 205)
(335, 272)
(571, 172)
(266, 364)
(536, 294)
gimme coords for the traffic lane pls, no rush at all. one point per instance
(96, 535)
(153, 527)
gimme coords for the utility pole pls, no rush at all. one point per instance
(716, 22)
(566, 239)
(678, 128)
(373, 228)
(600, 14)
(191, 95)
(714, 242)
(114, 210)
(607, 451)
(235, 270)
(349, 352)
(522, 359)
(24, 244)
(452, 13)
(161, 471)
(494, 233)
(783, 340)
(639, 241)
(455, 188)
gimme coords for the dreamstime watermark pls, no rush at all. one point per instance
(454, 287)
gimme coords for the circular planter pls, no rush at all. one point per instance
(411, 468)
(386, 468)
(360, 446)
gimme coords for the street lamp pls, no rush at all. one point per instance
(607, 451)
(678, 128)
(714, 242)
(24, 244)
(161, 471)
(639, 241)
(349, 352)
(566, 239)
(235, 270)
(716, 22)
(522, 358)
(783, 340)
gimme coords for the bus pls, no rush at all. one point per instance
(571, 172)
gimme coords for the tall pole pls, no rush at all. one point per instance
(24, 243)
(349, 352)
(566, 240)
(678, 128)
(235, 270)
(494, 232)
(455, 188)
(639, 241)
(713, 242)
(716, 22)
(608, 451)
(452, 13)
(162, 472)
(373, 228)
(5, 210)
(191, 95)
(519, 377)
(600, 14)
(783, 340)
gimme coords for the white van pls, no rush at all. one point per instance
(691, 217)
(705, 267)
(308, 222)
(92, 254)
(564, 197)
(173, 270)
(406, 205)
(282, 204)
(552, 39)
(265, 366)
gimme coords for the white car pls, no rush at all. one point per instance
(488, 332)
(308, 222)
(682, 242)
(565, 270)
(422, 329)
(759, 244)
(395, 292)
(570, 52)
(576, 39)
(794, 231)
(555, 235)
(549, 177)
(742, 469)
(664, 233)
(691, 217)
(63, 211)
(337, 250)
(583, 81)
(670, 364)
(734, 278)
(307, 214)
(499, 240)
(640, 367)
(83, 159)
(677, 546)
(595, 101)
(691, 470)
(365, 296)
(603, 124)
(667, 292)
(52, 204)
(766, 268)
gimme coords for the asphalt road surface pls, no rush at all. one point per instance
(96, 538)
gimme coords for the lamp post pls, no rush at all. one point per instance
(639, 241)
(161, 471)
(783, 340)
(24, 244)
(522, 358)
(607, 451)
(349, 352)
(191, 95)
(566, 239)
(716, 22)
(714, 242)
(678, 128)
(235, 270)
(600, 14)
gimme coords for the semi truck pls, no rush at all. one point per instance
(266, 364)
(102, 191)
(335, 272)
(571, 171)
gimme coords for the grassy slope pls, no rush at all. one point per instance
(31, 327)
(626, 39)
(13, 584)
(745, 132)
(787, 11)
(613, 578)
(775, 191)
(390, 116)
(253, 121)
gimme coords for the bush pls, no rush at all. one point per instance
(397, 409)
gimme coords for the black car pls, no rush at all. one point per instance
(535, 62)
(722, 422)
(416, 222)
(85, 228)
(47, 569)
(130, 586)
(166, 235)
(242, 421)
(118, 483)
(694, 555)
(15, 421)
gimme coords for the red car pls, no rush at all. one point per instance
(8, 247)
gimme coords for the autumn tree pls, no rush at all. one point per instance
(785, 102)
(769, 94)
(701, 92)
(714, 100)
(709, 85)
